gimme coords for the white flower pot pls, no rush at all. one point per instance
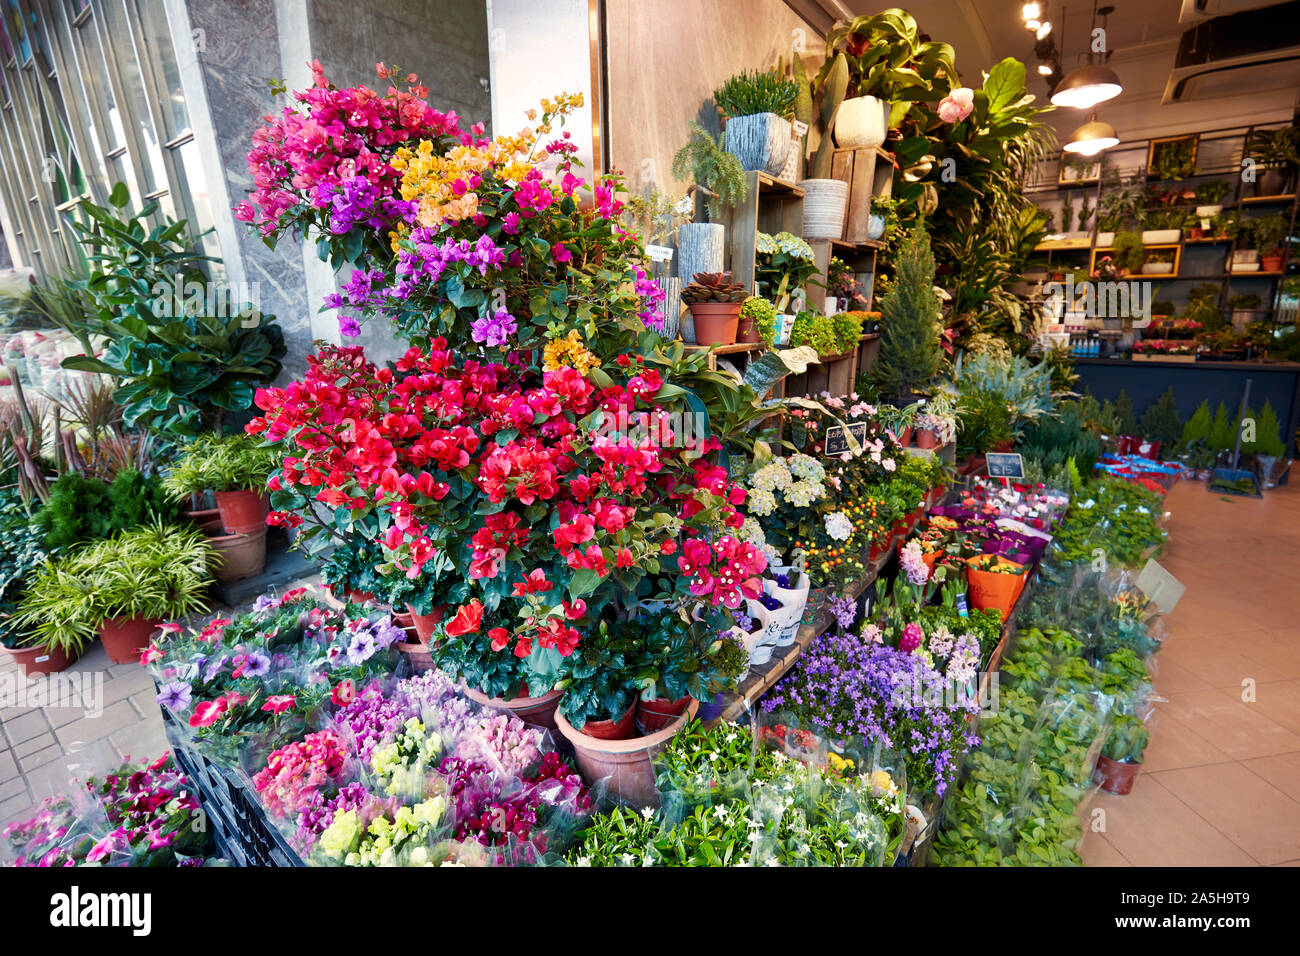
(793, 601)
(1155, 237)
(760, 141)
(862, 121)
(875, 227)
(1205, 212)
(1105, 240)
(1157, 268)
(1244, 257)
(824, 202)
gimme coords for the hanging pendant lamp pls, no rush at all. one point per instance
(1092, 138)
(1086, 86)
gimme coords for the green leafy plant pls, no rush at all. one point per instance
(82, 508)
(214, 463)
(1274, 148)
(1160, 422)
(815, 330)
(718, 175)
(1128, 251)
(183, 357)
(984, 423)
(1052, 440)
(1174, 159)
(911, 319)
(22, 551)
(848, 330)
(1127, 741)
(783, 265)
(1268, 233)
(751, 92)
(1212, 191)
(155, 572)
(763, 314)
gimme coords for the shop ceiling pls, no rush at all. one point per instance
(1190, 49)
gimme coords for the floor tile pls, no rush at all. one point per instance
(1250, 811)
(1174, 745)
(1281, 770)
(1239, 729)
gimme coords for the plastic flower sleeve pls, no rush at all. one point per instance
(703, 766)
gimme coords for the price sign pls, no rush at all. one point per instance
(837, 438)
(800, 128)
(659, 253)
(1162, 588)
(1005, 465)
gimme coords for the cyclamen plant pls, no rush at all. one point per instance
(489, 459)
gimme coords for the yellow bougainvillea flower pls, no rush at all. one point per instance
(568, 351)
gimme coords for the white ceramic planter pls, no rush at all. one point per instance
(875, 227)
(1105, 240)
(862, 121)
(760, 141)
(1242, 257)
(1206, 212)
(824, 201)
(1155, 237)
(793, 601)
(1157, 268)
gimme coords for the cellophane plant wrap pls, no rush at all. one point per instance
(527, 442)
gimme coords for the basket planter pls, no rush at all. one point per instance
(125, 637)
(243, 512)
(40, 660)
(715, 322)
(653, 716)
(1116, 777)
(824, 201)
(862, 121)
(761, 141)
(534, 711)
(626, 763)
(242, 555)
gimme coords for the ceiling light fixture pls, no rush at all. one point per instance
(1044, 69)
(1044, 30)
(1032, 11)
(1092, 138)
(1032, 25)
(1086, 86)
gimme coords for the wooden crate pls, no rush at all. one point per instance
(869, 172)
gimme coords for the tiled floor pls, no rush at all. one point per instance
(1220, 784)
(111, 715)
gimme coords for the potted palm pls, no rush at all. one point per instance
(121, 588)
(1270, 236)
(757, 107)
(1120, 760)
(235, 469)
(715, 301)
(1276, 153)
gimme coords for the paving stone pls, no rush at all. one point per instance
(37, 743)
(145, 741)
(62, 716)
(11, 788)
(119, 688)
(25, 727)
(114, 718)
(8, 767)
(40, 758)
(15, 808)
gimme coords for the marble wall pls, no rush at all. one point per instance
(666, 58)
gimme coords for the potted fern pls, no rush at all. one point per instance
(121, 588)
(757, 107)
(235, 469)
(1276, 153)
(719, 179)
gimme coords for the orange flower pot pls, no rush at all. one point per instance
(992, 589)
(534, 711)
(426, 624)
(125, 637)
(243, 512)
(655, 715)
(40, 660)
(715, 322)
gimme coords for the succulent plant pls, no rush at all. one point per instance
(714, 287)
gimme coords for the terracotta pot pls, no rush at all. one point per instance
(1270, 263)
(715, 322)
(905, 438)
(746, 331)
(1116, 777)
(208, 520)
(534, 711)
(426, 624)
(417, 655)
(926, 438)
(243, 512)
(243, 555)
(991, 589)
(125, 637)
(37, 661)
(653, 716)
(626, 764)
(622, 729)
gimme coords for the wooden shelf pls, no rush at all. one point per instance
(731, 349)
(1253, 200)
(1058, 245)
(771, 186)
(866, 245)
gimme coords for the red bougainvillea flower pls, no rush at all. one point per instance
(535, 583)
(467, 619)
(279, 703)
(574, 610)
(500, 638)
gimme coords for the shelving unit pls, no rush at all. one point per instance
(1218, 155)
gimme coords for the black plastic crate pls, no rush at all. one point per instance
(242, 832)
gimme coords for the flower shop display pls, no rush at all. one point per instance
(135, 814)
(120, 589)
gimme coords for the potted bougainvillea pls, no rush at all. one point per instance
(531, 438)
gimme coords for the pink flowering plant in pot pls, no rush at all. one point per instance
(531, 441)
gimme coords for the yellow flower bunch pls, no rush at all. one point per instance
(838, 765)
(568, 351)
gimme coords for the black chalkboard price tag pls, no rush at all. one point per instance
(1005, 465)
(837, 438)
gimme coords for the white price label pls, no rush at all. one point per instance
(659, 253)
(800, 127)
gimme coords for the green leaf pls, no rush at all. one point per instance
(120, 196)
